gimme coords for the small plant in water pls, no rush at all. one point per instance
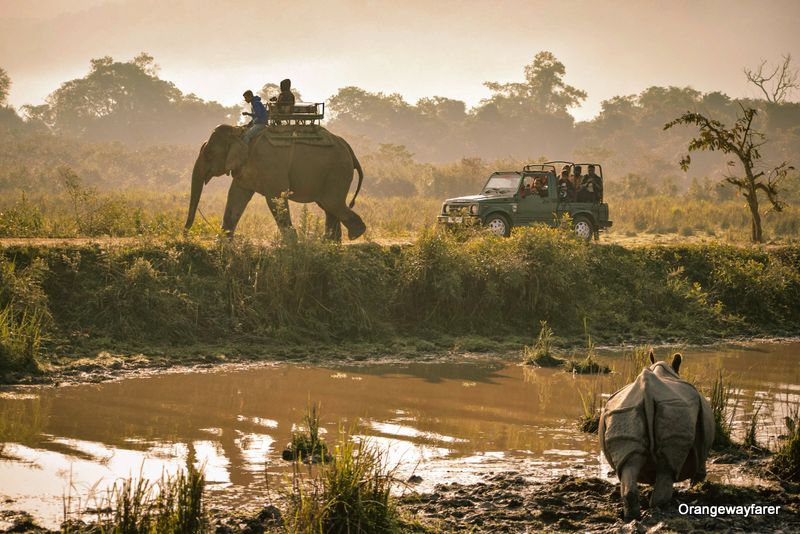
(751, 436)
(539, 354)
(721, 395)
(349, 494)
(588, 365)
(589, 421)
(307, 445)
(786, 463)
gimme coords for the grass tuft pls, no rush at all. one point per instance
(174, 505)
(724, 408)
(540, 354)
(350, 494)
(307, 445)
(786, 462)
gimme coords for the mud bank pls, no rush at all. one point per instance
(507, 502)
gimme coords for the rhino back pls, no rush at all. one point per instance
(655, 415)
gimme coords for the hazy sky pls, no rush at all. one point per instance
(217, 49)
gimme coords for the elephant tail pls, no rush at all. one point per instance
(357, 167)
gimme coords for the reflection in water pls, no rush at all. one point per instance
(446, 421)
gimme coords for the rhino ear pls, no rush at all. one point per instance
(237, 155)
(652, 357)
(676, 362)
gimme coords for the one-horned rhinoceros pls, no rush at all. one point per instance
(656, 430)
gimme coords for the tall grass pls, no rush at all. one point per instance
(184, 292)
(350, 494)
(723, 406)
(786, 462)
(307, 444)
(174, 505)
(24, 315)
(540, 354)
(589, 364)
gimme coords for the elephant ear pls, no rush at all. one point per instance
(237, 155)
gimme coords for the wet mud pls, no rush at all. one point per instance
(509, 502)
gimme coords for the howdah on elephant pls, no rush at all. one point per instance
(315, 166)
(656, 430)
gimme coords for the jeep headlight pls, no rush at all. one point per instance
(473, 210)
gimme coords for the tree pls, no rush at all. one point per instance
(127, 101)
(776, 84)
(743, 141)
(543, 90)
(5, 86)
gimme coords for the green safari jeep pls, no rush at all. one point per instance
(535, 195)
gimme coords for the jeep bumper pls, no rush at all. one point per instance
(458, 219)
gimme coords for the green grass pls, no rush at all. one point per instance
(349, 494)
(484, 290)
(307, 445)
(540, 354)
(724, 408)
(588, 365)
(786, 462)
(174, 505)
(589, 421)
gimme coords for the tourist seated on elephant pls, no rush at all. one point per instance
(285, 100)
(258, 116)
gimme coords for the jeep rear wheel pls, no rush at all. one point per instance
(498, 224)
(583, 227)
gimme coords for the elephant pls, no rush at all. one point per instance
(301, 171)
(656, 430)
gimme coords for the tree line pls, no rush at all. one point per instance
(436, 146)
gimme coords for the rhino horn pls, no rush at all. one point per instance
(676, 362)
(652, 357)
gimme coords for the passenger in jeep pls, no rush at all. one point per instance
(541, 186)
(591, 187)
(577, 179)
(566, 190)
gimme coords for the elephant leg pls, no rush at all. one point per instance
(238, 197)
(662, 489)
(350, 219)
(279, 206)
(333, 228)
(629, 478)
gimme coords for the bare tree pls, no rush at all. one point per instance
(745, 143)
(776, 84)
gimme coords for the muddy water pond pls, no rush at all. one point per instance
(444, 421)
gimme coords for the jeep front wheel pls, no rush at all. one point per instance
(498, 224)
(583, 227)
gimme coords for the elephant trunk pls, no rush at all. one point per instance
(199, 175)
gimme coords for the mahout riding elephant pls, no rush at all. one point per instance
(656, 430)
(320, 171)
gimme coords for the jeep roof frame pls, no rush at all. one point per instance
(572, 164)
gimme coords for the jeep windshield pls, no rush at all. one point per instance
(501, 184)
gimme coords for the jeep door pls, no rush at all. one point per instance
(536, 205)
